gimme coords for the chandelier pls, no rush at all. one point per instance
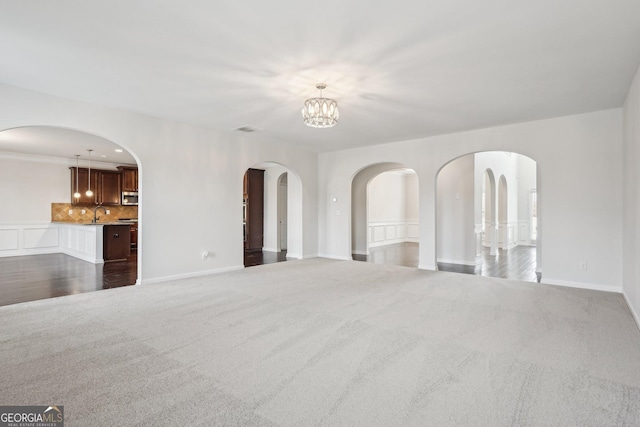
(320, 112)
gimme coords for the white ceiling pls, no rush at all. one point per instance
(399, 70)
(62, 143)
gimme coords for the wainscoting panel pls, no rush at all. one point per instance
(35, 238)
(28, 239)
(390, 232)
(82, 241)
(9, 238)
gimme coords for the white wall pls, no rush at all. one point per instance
(387, 197)
(178, 161)
(29, 185)
(412, 198)
(526, 182)
(270, 226)
(392, 199)
(579, 161)
(455, 216)
(631, 270)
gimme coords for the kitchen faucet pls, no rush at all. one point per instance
(95, 213)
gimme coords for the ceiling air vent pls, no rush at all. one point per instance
(247, 129)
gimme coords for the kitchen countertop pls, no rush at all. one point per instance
(98, 223)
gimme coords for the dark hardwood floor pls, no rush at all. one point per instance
(252, 258)
(34, 277)
(518, 263)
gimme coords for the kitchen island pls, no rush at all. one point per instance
(95, 242)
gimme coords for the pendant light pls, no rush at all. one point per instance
(76, 195)
(320, 112)
(89, 193)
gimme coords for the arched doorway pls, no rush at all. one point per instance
(483, 220)
(384, 215)
(272, 214)
(47, 164)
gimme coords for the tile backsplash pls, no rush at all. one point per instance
(60, 213)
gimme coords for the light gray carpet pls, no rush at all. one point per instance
(321, 342)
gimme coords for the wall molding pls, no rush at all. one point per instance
(582, 285)
(633, 312)
(292, 255)
(174, 277)
(381, 233)
(32, 238)
(338, 257)
(458, 261)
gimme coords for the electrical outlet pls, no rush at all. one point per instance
(108, 211)
(583, 265)
(205, 254)
(83, 211)
(70, 211)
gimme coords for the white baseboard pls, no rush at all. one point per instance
(82, 256)
(430, 267)
(309, 256)
(271, 249)
(26, 252)
(457, 261)
(293, 255)
(581, 285)
(341, 258)
(633, 312)
(360, 252)
(190, 275)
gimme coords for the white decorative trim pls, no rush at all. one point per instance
(271, 249)
(457, 261)
(190, 275)
(309, 256)
(294, 255)
(382, 233)
(429, 267)
(338, 257)
(633, 312)
(28, 238)
(581, 285)
(82, 241)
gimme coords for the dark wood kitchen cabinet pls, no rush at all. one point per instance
(117, 242)
(109, 188)
(253, 209)
(134, 236)
(83, 185)
(129, 178)
(104, 184)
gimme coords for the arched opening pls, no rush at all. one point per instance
(384, 215)
(484, 223)
(71, 238)
(272, 214)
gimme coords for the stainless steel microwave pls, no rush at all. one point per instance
(129, 198)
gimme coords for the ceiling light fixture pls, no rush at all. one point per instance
(320, 112)
(89, 193)
(76, 195)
